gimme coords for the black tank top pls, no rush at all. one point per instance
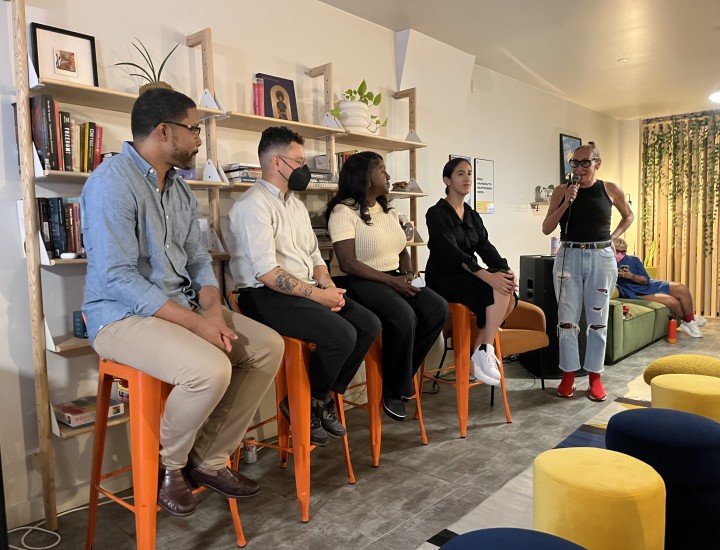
(589, 216)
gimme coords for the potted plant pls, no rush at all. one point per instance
(353, 110)
(149, 73)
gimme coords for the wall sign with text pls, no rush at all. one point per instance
(484, 186)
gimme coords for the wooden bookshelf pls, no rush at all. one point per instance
(67, 432)
(378, 143)
(73, 261)
(69, 342)
(256, 123)
(405, 195)
(96, 97)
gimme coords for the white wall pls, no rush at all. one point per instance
(515, 125)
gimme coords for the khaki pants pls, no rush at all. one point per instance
(216, 394)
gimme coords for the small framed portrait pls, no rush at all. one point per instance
(568, 144)
(279, 97)
(60, 54)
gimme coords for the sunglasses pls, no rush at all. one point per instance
(194, 129)
(574, 163)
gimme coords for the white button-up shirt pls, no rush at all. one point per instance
(268, 229)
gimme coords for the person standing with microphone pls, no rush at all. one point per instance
(585, 270)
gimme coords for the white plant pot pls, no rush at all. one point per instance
(354, 116)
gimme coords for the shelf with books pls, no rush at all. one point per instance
(87, 96)
(62, 176)
(256, 123)
(379, 143)
(68, 432)
(96, 97)
(60, 262)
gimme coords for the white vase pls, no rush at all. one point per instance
(354, 116)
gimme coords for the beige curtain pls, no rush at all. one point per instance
(679, 201)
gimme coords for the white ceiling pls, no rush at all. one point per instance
(571, 48)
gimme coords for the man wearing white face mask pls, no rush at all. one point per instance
(634, 282)
(284, 283)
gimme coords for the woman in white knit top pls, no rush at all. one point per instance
(370, 246)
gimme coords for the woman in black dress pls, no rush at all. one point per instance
(456, 234)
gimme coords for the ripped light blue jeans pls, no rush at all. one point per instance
(587, 277)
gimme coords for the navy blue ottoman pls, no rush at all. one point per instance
(509, 538)
(684, 449)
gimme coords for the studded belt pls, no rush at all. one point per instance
(598, 244)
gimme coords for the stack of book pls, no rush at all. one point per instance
(242, 172)
(60, 223)
(83, 411)
(61, 142)
(322, 179)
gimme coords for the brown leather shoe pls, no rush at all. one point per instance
(174, 495)
(227, 482)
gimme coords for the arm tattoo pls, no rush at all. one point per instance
(286, 283)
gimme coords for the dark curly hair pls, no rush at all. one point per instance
(353, 185)
(155, 106)
(277, 136)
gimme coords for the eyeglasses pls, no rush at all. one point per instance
(574, 163)
(623, 252)
(194, 129)
(300, 162)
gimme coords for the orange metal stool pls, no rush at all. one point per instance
(293, 381)
(462, 331)
(373, 382)
(148, 395)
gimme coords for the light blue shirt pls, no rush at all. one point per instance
(143, 244)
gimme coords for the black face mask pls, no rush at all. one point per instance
(299, 177)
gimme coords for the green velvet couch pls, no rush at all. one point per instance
(646, 323)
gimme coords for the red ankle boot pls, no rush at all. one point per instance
(596, 390)
(567, 385)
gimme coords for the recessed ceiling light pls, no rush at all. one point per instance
(715, 97)
(623, 60)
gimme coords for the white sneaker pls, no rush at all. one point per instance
(700, 320)
(691, 329)
(485, 366)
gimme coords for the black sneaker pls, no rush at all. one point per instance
(318, 435)
(330, 421)
(394, 408)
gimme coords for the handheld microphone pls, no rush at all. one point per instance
(575, 180)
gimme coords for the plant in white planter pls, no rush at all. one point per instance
(353, 110)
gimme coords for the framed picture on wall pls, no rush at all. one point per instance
(279, 97)
(568, 144)
(65, 55)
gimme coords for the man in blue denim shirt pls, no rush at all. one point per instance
(152, 302)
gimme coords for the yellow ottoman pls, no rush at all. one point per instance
(682, 364)
(691, 393)
(599, 499)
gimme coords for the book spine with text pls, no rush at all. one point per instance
(58, 136)
(57, 226)
(66, 140)
(97, 147)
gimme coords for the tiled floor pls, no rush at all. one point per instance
(417, 490)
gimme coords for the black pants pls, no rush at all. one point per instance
(342, 339)
(410, 328)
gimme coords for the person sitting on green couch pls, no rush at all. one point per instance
(634, 282)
